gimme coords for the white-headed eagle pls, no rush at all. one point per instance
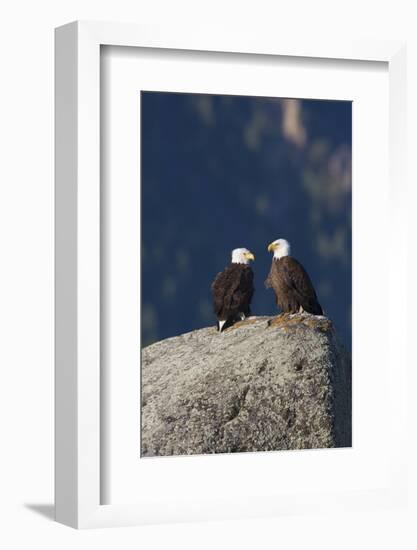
(233, 289)
(294, 291)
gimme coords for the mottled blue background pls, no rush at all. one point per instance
(221, 172)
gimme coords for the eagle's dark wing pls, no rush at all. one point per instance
(243, 292)
(297, 279)
(219, 288)
(233, 290)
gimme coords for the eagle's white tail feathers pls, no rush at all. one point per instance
(221, 325)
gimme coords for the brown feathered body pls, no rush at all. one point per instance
(232, 293)
(294, 291)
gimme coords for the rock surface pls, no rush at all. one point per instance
(267, 383)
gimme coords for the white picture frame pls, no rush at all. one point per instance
(78, 410)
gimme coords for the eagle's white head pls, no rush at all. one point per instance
(242, 256)
(280, 248)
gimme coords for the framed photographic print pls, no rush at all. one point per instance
(225, 208)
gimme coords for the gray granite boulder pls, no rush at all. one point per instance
(265, 384)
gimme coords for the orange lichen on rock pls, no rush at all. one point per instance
(287, 321)
(243, 323)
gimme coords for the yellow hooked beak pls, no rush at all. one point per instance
(249, 256)
(272, 247)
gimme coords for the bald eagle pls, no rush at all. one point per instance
(233, 289)
(294, 291)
